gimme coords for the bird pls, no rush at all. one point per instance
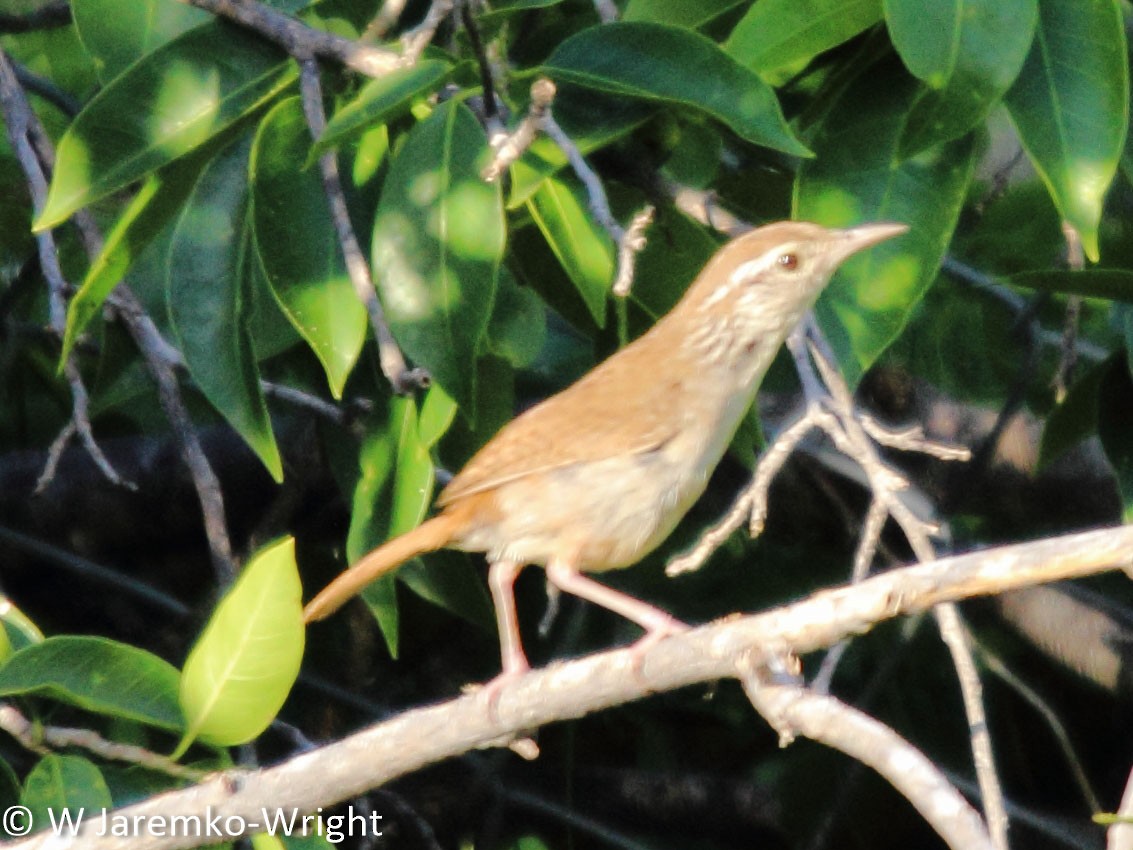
(596, 476)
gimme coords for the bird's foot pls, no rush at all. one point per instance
(660, 628)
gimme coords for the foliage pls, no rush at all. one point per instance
(188, 139)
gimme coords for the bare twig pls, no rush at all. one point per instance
(1075, 261)
(414, 42)
(629, 242)
(792, 709)
(19, 119)
(401, 377)
(300, 40)
(161, 358)
(43, 739)
(385, 20)
(607, 11)
(572, 689)
(509, 148)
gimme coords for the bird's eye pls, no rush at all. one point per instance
(789, 261)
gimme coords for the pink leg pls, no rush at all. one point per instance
(501, 580)
(657, 623)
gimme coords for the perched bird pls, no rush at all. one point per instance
(596, 476)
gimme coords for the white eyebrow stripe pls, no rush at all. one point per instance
(751, 268)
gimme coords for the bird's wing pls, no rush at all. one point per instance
(593, 419)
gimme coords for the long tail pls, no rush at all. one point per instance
(432, 534)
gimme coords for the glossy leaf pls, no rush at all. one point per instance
(61, 788)
(156, 203)
(675, 66)
(243, 665)
(390, 498)
(208, 307)
(1115, 412)
(857, 177)
(118, 34)
(519, 322)
(99, 675)
(969, 52)
(438, 242)
(438, 411)
(297, 245)
(1114, 284)
(1070, 105)
(382, 99)
(162, 107)
(777, 34)
(678, 13)
(582, 246)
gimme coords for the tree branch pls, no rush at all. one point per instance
(575, 688)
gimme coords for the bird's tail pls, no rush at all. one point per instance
(432, 534)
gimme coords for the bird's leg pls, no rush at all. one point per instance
(501, 580)
(658, 624)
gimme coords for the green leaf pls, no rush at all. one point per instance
(1076, 418)
(438, 241)
(777, 34)
(298, 247)
(99, 675)
(857, 177)
(437, 413)
(1115, 412)
(391, 497)
(582, 246)
(156, 203)
(969, 52)
(64, 789)
(243, 665)
(207, 307)
(678, 13)
(382, 99)
(1070, 105)
(118, 34)
(663, 63)
(1114, 284)
(519, 323)
(172, 101)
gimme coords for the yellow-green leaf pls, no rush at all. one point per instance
(246, 660)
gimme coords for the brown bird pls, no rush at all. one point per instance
(595, 477)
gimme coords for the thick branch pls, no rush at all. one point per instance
(562, 691)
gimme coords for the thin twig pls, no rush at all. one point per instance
(300, 40)
(384, 21)
(160, 357)
(401, 377)
(628, 242)
(1075, 261)
(43, 739)
(123, 584)
(19, 119)
(607, 11)
(414, 42)
(509, 148)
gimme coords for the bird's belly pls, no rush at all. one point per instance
(599, 515)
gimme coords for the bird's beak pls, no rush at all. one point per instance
(847, 242)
